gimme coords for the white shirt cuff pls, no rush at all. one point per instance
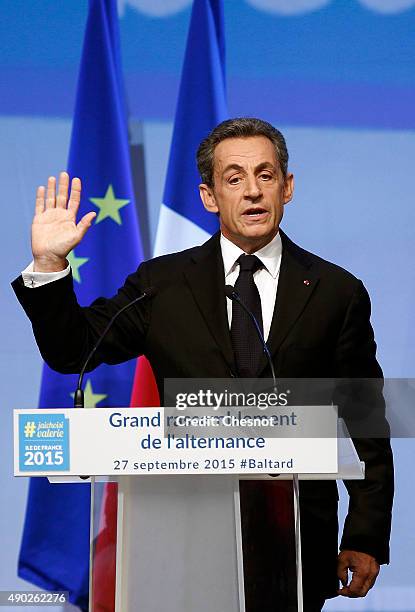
(37, 279)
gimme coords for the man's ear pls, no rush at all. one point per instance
(288, 187)
(208, 198)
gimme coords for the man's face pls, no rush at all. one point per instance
(249, 191)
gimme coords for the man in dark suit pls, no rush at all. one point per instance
(315, 317)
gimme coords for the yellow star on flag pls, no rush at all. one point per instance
(75, 263)
(109, 206)
(91, 399)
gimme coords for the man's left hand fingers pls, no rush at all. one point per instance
(365, 570)
(359, 585)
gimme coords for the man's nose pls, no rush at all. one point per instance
(252, 188)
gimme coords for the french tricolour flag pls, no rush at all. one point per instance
(201, 106)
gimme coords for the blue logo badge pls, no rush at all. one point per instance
(43, 442)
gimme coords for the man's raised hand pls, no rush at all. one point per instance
(54, 229)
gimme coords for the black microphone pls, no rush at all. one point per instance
(79, 393)
(234, 296)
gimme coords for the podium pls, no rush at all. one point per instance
(179, 538)
(178, 544)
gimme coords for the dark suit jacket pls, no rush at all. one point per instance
(320, 329)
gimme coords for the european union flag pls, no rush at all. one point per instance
(55, 547)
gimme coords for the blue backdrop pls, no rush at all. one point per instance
(337, 76)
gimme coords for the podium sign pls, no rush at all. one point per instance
(163, 505)
(136, 441)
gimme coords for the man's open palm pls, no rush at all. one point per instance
(55, 231)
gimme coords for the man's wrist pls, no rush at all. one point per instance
(49, 264)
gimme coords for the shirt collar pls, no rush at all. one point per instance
(270, 255)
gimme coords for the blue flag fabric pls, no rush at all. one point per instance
(201, 106)
(55, 546)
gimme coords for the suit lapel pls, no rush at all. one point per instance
(297, 281)
(206, 279)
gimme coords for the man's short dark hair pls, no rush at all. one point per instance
(240, 127)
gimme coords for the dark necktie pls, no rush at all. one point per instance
(246, 344)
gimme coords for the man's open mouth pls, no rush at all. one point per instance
(255, 212)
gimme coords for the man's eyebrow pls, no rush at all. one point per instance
(262, 166)
(233, 167)
(265, 166)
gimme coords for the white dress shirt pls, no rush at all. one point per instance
(37, 279)
(266, 278)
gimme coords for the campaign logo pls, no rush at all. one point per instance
(43, 442)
